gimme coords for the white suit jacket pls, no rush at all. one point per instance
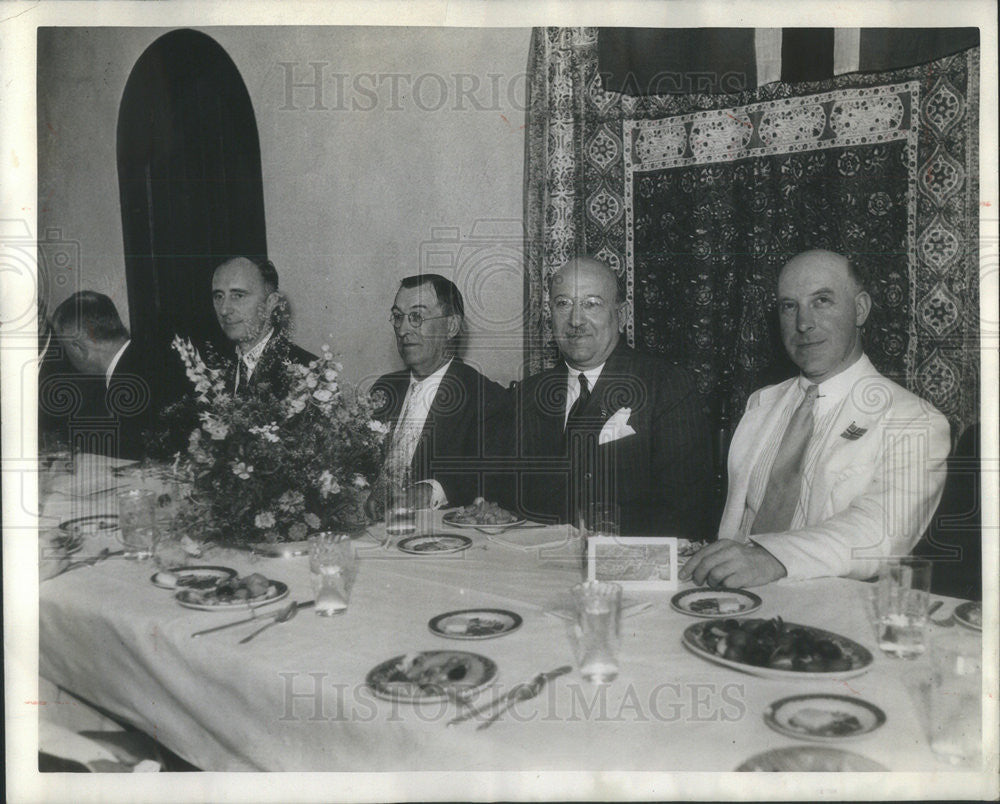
(868, 497)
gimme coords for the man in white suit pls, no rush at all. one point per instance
(835, 469)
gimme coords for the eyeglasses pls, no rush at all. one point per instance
(416, 320)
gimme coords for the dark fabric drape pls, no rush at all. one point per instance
(697, 200)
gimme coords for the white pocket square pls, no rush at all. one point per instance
(616, 427)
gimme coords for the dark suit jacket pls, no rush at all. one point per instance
(270, 375)
(452, 444)
(660, 477)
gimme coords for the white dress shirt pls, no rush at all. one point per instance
(573, 385)
(247, 361)
(416, 407)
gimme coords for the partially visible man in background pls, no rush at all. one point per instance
(116, 399)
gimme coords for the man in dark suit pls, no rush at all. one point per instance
(253, 317)
(608, 425)
(438, 406)
(115, 396)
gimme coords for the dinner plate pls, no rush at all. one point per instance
(451, 519)
(707, 602)
(282, 549)
(818, 758)
(970, 614)
(66, 544)
(192, 577)
(698, 640)
(475, 623)
(825, 718)
(85, 525)
(189, 599)
(434, 544)
(431, 676)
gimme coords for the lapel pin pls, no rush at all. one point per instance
(853, 432)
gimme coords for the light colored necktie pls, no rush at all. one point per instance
(405, 437)
(785, 483)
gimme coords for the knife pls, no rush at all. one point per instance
(303, 605)
(518, 692)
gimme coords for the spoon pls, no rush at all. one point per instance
(283, 617)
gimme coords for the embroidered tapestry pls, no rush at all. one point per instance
(698, 200)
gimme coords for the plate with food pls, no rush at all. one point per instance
(434, 544)
(431, 676)
(712, 603)
(824, 718)
(776, 649)
(970, 614)
(806, 758)
(65, 544)
(486, 517)
(475, 623)
(87, 525)
(235, 593)
(192, 577)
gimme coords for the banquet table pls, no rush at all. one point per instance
(295, 697)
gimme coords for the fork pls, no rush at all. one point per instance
(284, 616)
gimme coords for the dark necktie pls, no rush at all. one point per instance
(785, 483)
(576, 412)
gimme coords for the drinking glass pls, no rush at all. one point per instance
(400, 515)
(954, 698)
(137, 520)
(597, 631)
(332, 566)
(900, 601)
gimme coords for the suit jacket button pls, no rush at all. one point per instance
(588, 476)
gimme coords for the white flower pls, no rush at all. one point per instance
(311, 381)
(296, 405)
(382, 428)
(312, 520)
(322, 395)
(217, 429)
(269, 432)
(330, 375)
(328, 484)
(264, 520)
(242, 471)
(360, 482)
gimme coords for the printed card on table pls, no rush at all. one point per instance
(635, 562)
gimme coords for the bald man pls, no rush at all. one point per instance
(835, 469)
(608, 425)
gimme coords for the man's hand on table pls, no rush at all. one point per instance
(732, 565)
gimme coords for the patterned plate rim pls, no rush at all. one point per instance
(463, 543)
(497, 528)
(962, 618)
(434, 622)
(110, 518)
(248, 604)
(229, 571)
(776, 673)
(755, 602)
(491, 672)
(868, 765)
(770, 717)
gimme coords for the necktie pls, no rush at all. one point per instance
(785, 483)
(576, 412)
(401, 449)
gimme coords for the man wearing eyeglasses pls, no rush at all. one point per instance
(608, 426)
(438, 405)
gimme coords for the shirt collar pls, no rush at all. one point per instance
(591, 374)
(839, 385)
(251, 357)
(430, 379)
(114, 363)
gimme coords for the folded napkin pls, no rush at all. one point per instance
(616, 427)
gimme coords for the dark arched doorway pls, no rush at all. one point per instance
(190, 183)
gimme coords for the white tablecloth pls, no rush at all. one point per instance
(295, 697)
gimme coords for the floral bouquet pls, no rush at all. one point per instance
(264, 468)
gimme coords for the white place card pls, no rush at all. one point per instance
(635, 562)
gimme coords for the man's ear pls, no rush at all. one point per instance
(454, 326)
(269, 304)
(622, 316)
(862, 307)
